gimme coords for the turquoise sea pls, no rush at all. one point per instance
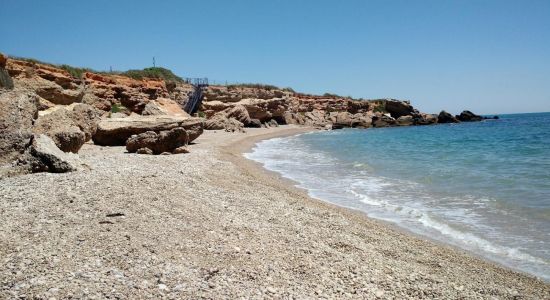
(483, 186)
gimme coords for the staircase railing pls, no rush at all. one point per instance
(195, 100)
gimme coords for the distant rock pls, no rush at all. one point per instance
(383, 120)
(222, 122)
(445, 117)
(239, 113)
(49, 158)
(424, 119)
(468, 116)
(405, 121)
(115, 131)
(164, 141)
(398, 108)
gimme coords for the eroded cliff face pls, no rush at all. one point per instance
(276, 106)
(56, 86)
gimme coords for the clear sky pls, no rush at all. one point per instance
(482, 55)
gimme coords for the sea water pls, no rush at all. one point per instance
(482, 186)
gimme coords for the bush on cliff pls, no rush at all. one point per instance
(153, 72)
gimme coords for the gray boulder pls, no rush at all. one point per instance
(49, 158)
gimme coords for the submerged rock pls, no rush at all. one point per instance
(468, 116)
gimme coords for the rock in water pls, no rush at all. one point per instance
(405, 121)
(115, 131)
(468, 116)
(49, 158)
(165, 141)
(445, 117)
(398, 108)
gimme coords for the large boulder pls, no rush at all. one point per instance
(49, 158)
(405, 121)
(17, 114)
(240, 114)
(115, 131)
(164, 106)
(222, 122)
(468, 116)
(70, 127)
(383, 120)
(424, 119)
(164, 141)
(398, 108)
(445, 117)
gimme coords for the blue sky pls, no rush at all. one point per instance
(486, 56)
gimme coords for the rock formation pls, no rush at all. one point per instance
(468, 116)
(115, 131)
(157, 143)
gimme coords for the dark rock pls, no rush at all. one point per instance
(255, 123)
(382, 121)
(165, 141)
(445, 117)
(6, 81)
(424, 119)
(468, 116)
(398, 108)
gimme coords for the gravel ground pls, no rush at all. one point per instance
(211, 224)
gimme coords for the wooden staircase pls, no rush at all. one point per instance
(195, 100)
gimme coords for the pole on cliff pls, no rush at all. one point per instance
(154, 65)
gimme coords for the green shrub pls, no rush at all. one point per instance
(201, 114)
(117, 108)
(253, 85)
(154, 72)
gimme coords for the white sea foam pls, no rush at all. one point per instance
(454, 220)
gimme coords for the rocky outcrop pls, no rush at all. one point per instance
(164, 141)
(102, 91)
(5, 80)
(70, 127)
(115, 131)
(49, 158)
(405, 121)
(424, 119)
(17, 114)
(398, 108)
(222, 122)
(445, 117)
(383, 120)
(468, 116)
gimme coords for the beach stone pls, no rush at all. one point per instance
(162, 142)
(49, 158)
(181, 150)
(144, 150)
